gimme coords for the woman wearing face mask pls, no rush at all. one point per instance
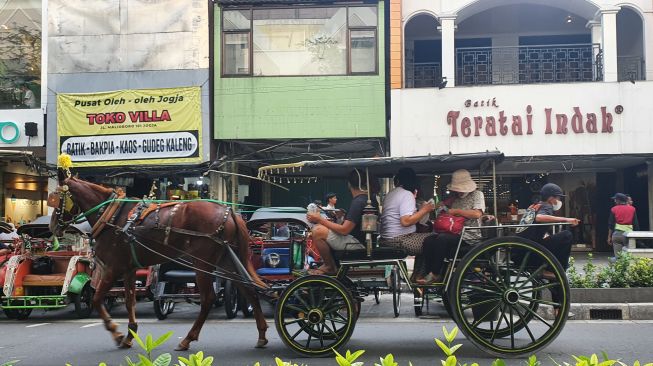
(468, 202)
(544, 213)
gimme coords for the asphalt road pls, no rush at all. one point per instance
(55, 338)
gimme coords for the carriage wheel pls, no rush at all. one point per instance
(162, 308)
(496, 291)
(395, 278)
(109, 302)
(84, 302)
(245, 307)
(18, 314)
(418, 300)
(230, 299)
(314, 315)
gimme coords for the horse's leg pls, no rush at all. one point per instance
(207, 299)
(106, 282)
(262, 326)
(130, 304)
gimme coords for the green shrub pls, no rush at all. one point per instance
(625, 271)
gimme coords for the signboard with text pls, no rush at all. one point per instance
(524, 120)
(136, 127)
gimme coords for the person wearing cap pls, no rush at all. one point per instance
(623, 219)
(544, 213)
(400, 214)
(467, 202)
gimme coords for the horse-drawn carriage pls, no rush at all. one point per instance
(495, 289)
(38, 276)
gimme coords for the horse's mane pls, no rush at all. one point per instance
(96, 187)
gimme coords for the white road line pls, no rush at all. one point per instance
(90, 325)
(36, 325)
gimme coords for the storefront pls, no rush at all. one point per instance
(593, 139)
(23, 85)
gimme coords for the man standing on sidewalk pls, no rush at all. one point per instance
(623, 219)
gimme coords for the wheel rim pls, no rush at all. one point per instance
(396, 291)
(315, 315)
(497, 292)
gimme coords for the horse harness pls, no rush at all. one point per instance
(139, 213)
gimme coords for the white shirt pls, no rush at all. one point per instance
(397, 204)
(29, 99)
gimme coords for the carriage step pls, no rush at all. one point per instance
(44, 280)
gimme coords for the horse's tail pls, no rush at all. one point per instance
(242, 235)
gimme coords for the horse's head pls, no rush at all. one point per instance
(64, 206)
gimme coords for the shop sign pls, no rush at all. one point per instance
(143, 127)
(501, 124)
(21, 128)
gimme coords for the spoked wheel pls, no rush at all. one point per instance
(245, 307)
(314, 315)
(163, 308)
(230, 299)
(395, 281)
(84, 302)
(18, 314)
(496, 292)
(109, 302)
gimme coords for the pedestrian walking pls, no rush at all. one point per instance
(623, 219)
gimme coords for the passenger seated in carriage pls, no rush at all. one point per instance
(544, 212)
(467, 202)
(400, 216)
(328, 235)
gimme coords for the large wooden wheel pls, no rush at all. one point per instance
(314, 315)
(498, 290)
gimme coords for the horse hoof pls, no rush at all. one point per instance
(125, 345)
(118, 339)
(261, 343)
(182, 347)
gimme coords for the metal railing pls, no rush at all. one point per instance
(529, 64)
(630, 68)
(423, 74)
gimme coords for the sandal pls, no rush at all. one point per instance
(430, 279)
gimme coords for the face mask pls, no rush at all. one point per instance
(557, 206)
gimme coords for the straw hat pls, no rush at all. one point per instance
(461, 181)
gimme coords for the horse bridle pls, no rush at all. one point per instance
(64, 195)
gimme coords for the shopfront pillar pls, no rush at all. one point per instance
(648, 46)
(609, 41)
(448, 29)
(596, 32)
(650, 194)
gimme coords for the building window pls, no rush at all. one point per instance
(306, 41)
(20, 55)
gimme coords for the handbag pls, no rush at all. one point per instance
(446, 223)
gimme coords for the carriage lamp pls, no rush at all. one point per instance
(370, 219)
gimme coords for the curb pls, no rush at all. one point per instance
(612, 311)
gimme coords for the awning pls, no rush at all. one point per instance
(383, 166)
(279, 214)
(39, 228)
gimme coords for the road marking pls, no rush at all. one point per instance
(36, 325)
(90, 325)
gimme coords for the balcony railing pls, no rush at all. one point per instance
(630, 68)
(423, 74)
(529, 64)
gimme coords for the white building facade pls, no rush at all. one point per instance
(560, 87)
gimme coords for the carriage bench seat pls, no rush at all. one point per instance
(178, 275)
(381, 253)
(44, 280)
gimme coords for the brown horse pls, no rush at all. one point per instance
(198, 229)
